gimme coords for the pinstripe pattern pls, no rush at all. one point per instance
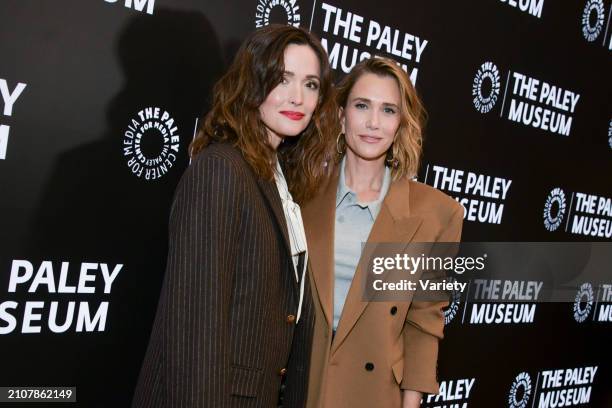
(221, 335)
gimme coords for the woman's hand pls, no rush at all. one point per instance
(411, 399)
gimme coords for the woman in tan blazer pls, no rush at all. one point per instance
(383, 353)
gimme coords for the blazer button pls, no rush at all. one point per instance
(282, 372)
(393, 310)
(369, 366)
(290, 319)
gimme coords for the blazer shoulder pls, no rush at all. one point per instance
(223, 156)
(424, 198)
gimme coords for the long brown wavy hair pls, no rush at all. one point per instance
(234, 117)
(406, 150)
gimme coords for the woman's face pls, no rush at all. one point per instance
(288, 108)
(371, 117)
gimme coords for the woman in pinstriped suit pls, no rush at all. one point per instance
(235, 314)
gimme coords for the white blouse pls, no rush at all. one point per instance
(295, 228)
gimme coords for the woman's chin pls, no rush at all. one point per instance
(368, 154)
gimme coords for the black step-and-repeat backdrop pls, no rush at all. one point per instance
(100, 99)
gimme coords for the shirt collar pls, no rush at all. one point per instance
(344, 191)
(281, 182)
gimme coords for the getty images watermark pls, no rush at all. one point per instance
(414, 265)
(506, 279)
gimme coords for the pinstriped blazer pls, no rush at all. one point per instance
(224, 334)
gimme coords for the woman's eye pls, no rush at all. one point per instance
(313, 85)
(360, 105)
(284, 80)
(389, 110)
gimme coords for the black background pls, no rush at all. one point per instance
(67, 194)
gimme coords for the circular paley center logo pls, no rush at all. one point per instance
(554, 209)
(151, 143)
(451, 311)
(520, 391)
(610, 134)
(592, 19)
(277, 11)
(583, 296)
(485, 89)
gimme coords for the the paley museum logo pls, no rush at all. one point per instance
(563, 387)
(554, 209)
(600, 304)
(526, 100)
(485, 89)
(277, 11)
(520, 391)
(583, 302)
(151, 143)
(587, 214)
(592, 19)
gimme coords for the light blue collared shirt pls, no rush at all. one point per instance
(354, 221)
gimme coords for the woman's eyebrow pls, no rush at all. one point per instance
(310, 76)
(366, 100)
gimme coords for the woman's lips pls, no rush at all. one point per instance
(370, 139)
(293, 115)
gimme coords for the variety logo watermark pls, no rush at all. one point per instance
(151, 143)
(554, 209)
(356, 38)
(520, 391)
(487, 75)
(481, 195)
(9, 98)
(55, 279)
(138, 5)
(266, 8)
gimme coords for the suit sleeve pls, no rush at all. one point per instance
(189, 356)
(424, 328)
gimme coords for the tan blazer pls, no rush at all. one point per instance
(379, 348)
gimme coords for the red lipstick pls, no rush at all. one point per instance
(293, 115)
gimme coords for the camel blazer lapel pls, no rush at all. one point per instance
(394, 224)
(319, 215)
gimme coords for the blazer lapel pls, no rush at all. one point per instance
(270, 192)
(394, 224)
(319, 214)
(272, 198)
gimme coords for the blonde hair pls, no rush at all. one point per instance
(407, 147)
